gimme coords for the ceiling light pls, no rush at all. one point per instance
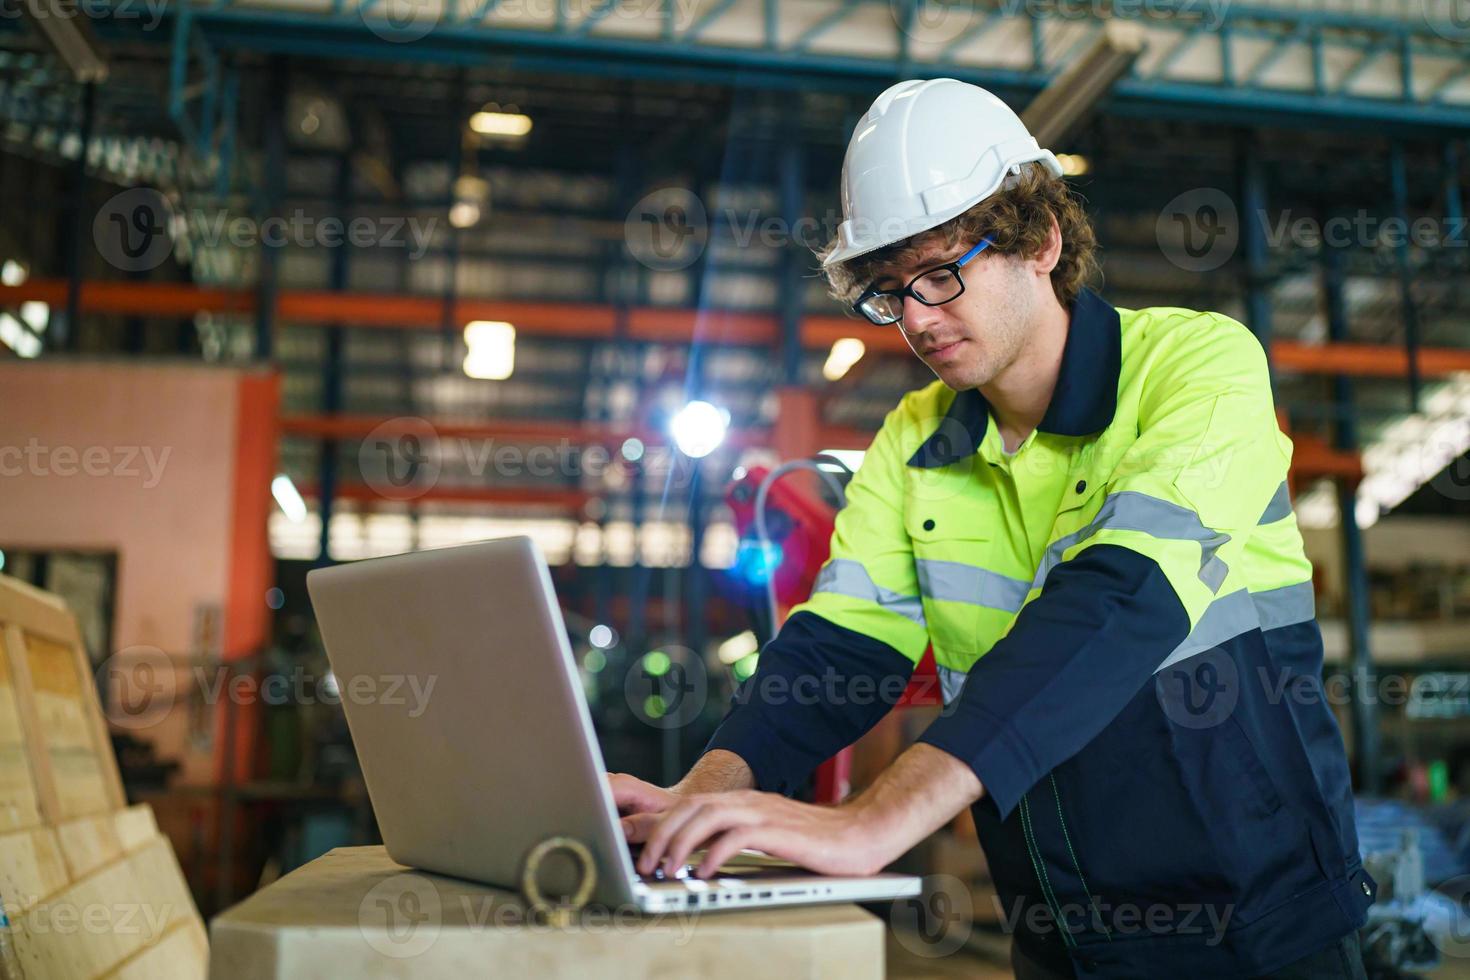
(490, 350)
(698, 428)
(845, 353)
(500, 123)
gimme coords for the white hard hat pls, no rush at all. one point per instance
(925, 152)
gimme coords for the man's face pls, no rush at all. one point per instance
(971, 339)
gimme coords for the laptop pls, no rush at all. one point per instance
(467, 712)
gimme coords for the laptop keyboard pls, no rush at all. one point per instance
(736, 867)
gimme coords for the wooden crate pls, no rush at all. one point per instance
(92, 889)
(57, 758)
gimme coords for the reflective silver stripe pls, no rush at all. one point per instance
(954, 581)
(1240, 612)
(950, 682)
(1226, 618)
(1279, 507)
(844, 576)
(1129, 510)
(1285, 606)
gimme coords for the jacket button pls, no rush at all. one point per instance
(929, 525)
(1081, 485)
(1366, 889)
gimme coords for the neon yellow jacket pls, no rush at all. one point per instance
(1122, 616)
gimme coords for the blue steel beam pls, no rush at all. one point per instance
(1273, 57)
(794, 67)
(824, 23)
(707, 18)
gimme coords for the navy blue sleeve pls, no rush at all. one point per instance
(1074, 658)
(817, 688)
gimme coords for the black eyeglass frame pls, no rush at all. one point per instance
(908, 290)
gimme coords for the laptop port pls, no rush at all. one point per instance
(765, 894)
(692, 900)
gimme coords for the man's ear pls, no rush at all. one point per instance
(1051, 253)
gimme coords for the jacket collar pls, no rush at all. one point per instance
(1085, 399)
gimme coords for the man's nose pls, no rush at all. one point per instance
(917, 317)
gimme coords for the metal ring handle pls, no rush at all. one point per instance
(579, 896)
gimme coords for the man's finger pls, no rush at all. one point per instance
(658, 839)
(633, 795)
(637, 826)
(713, 820)
(724, 847)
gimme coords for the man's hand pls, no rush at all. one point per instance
(913, 797)
(633, 795)
(827, 839)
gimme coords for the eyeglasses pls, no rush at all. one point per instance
(932, 287)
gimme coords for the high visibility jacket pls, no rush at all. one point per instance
(1122, 617)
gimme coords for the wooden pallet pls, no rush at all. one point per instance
(92, 889)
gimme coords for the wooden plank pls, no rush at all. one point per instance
(182, 954)
(36, 754)
(20, 806)
(88, 843)
(31, 868)
(70, 729)
(135, 826)
(97, 924)
(342, 915)
(60, 700)
(35, 610)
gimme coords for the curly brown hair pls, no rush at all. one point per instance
(1016, 219)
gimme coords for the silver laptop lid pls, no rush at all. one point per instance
(467, 710)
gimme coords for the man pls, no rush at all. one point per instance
(1087, 516)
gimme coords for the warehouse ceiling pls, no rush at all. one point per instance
(187, 108)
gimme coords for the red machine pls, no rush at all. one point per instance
(800, 522)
